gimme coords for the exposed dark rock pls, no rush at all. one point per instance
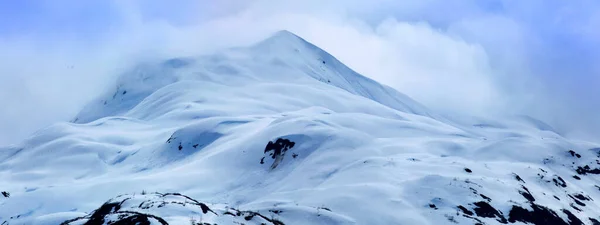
(324, 208)
(582, 198)
(203, 206)
(575, 207)
(559, 182)
(594, 221)
(518, 178)
(539, 216)
(465, 210)
(106, 209)
(123, 212)
(577, 201)
(526, 194)
(276, 211)
(433, 206)
(249, 215)
(468, 170)
(483, 209)
(485, 197)
(586, 169)
(473, 190)
(128, 218)
(576, 177)
(573, 220)
(5, 194)
(277, 150)
(574, 154)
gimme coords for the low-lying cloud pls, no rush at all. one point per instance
(475, 57)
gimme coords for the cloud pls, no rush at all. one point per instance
(479, 57)
(41, 86)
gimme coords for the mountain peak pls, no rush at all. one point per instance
(281, 38)
(284, 57)
(285, 34)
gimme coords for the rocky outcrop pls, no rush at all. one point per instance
(165, 209)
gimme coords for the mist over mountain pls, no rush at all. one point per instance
(282, 132)
(486, 58)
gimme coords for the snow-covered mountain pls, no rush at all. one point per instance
(283, 133)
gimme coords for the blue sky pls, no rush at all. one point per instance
(537, 57)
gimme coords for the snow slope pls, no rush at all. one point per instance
(283, 133)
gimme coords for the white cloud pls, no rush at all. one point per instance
(429, 64)
(433, 67)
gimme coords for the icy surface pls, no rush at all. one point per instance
(283, 133)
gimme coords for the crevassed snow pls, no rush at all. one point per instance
(362, 152)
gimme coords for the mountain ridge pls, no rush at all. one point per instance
(314, 62)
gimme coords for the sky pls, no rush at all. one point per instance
(479, 57)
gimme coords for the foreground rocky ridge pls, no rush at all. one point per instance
(151, 208)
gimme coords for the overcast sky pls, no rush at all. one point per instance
(537, 57)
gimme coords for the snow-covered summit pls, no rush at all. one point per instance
(282, 58)
(281, 132)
